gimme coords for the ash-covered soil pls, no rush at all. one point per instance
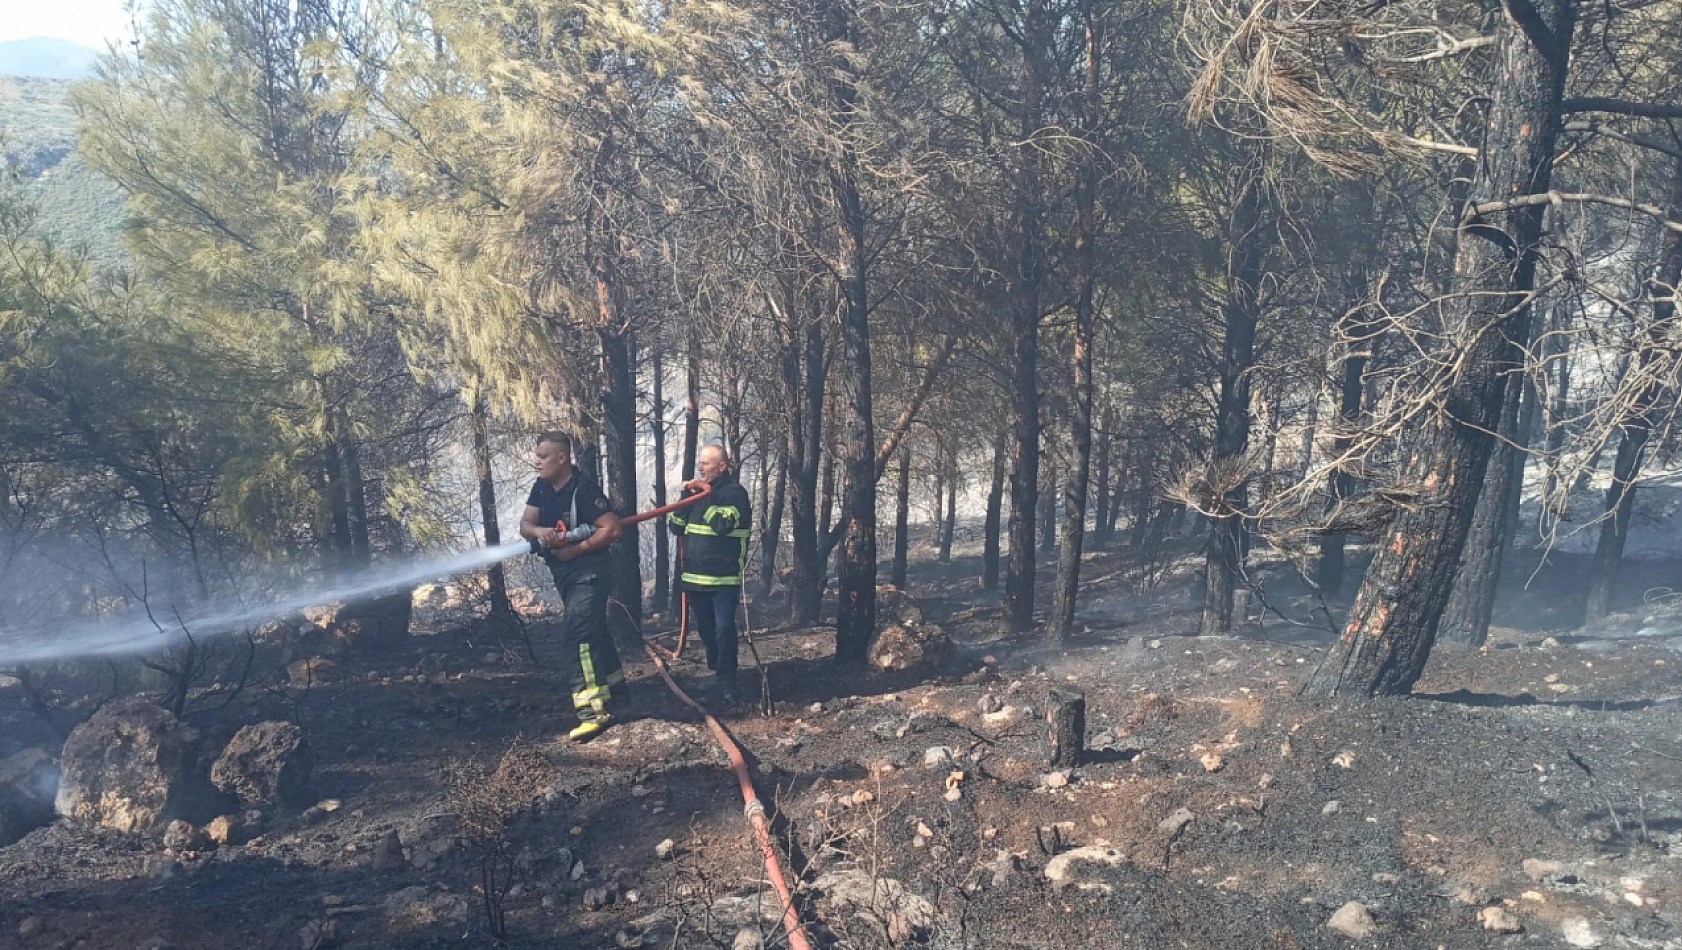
(1534, 786)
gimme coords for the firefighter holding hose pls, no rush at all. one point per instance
(570, 522)
(714, 535)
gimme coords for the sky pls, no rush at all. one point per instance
(89, 22)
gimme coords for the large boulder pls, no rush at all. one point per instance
(126, 768)
(376, 624)
(904, 640)
(28, 780)
(264, 763)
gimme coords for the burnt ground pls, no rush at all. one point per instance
(1551, 745)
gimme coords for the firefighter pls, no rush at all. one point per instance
(715, 548)
(565, 494)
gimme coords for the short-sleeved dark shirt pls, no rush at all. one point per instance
(555, 504)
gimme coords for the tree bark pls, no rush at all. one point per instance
(902, 519)
(1662, 287)
(1246, 243)
(949, 521)
(1393, 624)
(1065, 715)
(1025, 280)
(805, 399)
(691, 431)
(1103, 523)
(993, 517)
(1047, 516)
(771, 530)
(662, 539)
(1073, 535)
(1357, 346)
(856, 618)
(496, 579)
(619, 415)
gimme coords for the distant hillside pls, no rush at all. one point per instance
(75, 204)
(46, 58)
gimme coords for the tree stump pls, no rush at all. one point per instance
(1066, 715)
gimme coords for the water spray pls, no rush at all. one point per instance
(161, 629)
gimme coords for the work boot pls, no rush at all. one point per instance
(590, 728)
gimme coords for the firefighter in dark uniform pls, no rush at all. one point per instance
(565, 494)
(715, 551)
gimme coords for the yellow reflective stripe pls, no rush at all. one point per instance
(702, 530)
(730, 510)
(588, 664)
(708, 580)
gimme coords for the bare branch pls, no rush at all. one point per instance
(1557, 197)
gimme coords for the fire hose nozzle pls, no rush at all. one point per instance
(564, 536)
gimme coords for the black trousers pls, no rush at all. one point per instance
(588, 654)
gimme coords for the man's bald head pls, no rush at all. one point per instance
(712, 461)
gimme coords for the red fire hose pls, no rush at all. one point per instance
(754, 808)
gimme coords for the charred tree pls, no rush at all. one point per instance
(496, 580)
(1073, 535)
(771, 530)
(1026, 276)
(902, 519)
(1394, 621)
(1637, 431)
(662, 539)
(1241, 313)
(993, 518)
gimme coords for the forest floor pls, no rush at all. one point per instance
(1535, 784)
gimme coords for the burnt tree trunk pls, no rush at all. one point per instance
(771, 530)
(856, 620)
(1393, 623)
(991, 520)
(1073, 535)
(691, 432)
(805, 398)
(1357, 345)
(1047, 516)
(902, 518)
(496, 580)
(1246, 242)
(662, 538)
(1026, 275)
(1662, 287)
(949, 517)
(1103, 522)
(619, 415)
(1065, 715)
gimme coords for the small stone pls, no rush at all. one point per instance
(1058, 779)
(863, 796)
(182, 836)
(989, 704)
(1060, 868)
(815, 708)
(319, 935)
(388, 854)
(1385, 877)
(1352, 920)
(1212, 762)
(1536, 869)
(1344, 759)
(1634, 898)
(1266, 781)
(30, 928)
(1500, 920)
(598, 897)
(953, 794)
(332, 900)
(1331, 808)
(937, 757)
(640, 791)
(1285, 749)
(1578, 932)
(225, 830)
(628, 938)
(577, 871)
(1178, 820)
(1549, 643)
(632, 896)
(665, 849)
(747, 939)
